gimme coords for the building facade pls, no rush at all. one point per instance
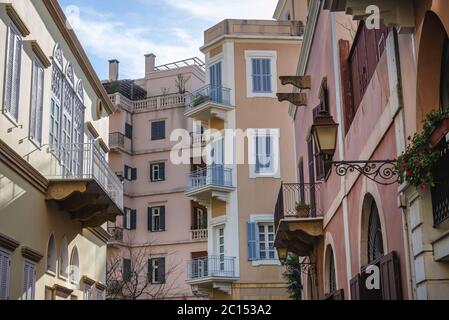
(250, 152)
(162, 228)
(56, 189)
(370, 90)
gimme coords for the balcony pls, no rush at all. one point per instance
(208, 102)
(84, 185)
(211, 181)
(212, 272)
(199, 235)
(148, 104)
(299, 217)
(119, 142)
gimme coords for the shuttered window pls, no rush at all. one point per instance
(157, 172)
(37, 103)
(130, 173)
(156, 271)
(126, 270)
(5, 270)
(29, 281)
(128, 131)
(260, 241)
(156, 219)
(158, 130)
(264, 148)
(13, 67)
(130, 219)
(261, 75)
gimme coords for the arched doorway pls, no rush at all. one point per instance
(330, 273)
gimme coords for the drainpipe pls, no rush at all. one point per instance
(341, 151)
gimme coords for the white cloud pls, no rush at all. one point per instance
(216, 10)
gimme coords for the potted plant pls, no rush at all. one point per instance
(199, 99)
(302, 209)
(416, 164)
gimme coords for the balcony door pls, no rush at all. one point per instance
(221, 249)
(216, 82)
(217, 156)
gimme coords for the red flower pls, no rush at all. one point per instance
(409, 138)
(423, 187)
(409, 174)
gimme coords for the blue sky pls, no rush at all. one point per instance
(172, 29)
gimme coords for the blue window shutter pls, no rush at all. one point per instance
(126, 173)
(162, 171)
(253, 241)
(266, 75)
(133, 174)
(257, 156)
(256, 75)
(124, 218)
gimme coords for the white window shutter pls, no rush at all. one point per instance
(16, 77)
(34, 93)
(29, 281)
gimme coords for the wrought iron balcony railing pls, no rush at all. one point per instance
(298, 200)
(211, 267)
(209, 93)
(440, 192)
(211, 176)
(85, 162)
(116, 140)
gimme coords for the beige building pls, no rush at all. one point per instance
(244, 59)
(56, 188)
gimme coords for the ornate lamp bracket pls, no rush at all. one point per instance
(383, 172)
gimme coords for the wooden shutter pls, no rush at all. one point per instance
(161, 270)
(256, 75)
(162, 171)
(150, 219)
(266, 75)
(133, 219)
(5, 266)
(128, 131)
(126, 270)
(162, 219)
(150, 270)
(13, 73)
(125, 220)
(29, 281)
(390, 275)
(133, 174)
(346, 82)
(253, 243)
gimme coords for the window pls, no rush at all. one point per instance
(87, 294)
(29, 280)
(37, 103)
(128, 131)
(156, 219)
(375, 240)
(157, 172)
(156, 270)
(445, 77)
(126, 270)
(64, 259)
(51, 255)
(100, 295)
(158, 130)
(199, 218)
(261, 73)
(261, 241)
(130, 173)
(221, 247)
(130, 219)
(5, 270)
(331, 275)
(264, 153)
(74, 267)
(12, 80)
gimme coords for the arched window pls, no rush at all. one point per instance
(331, 278)
(57, 56)
(74, 267)
(445, 76)
(375, 241)
(64, 259)
(51, 255)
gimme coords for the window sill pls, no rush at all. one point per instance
(266, 263)
(262, 95)
(12, 120)
(51, 273)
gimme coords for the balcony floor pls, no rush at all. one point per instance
(207, 110)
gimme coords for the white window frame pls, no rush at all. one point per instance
(154, 216)
(265, 219)
(37, 103)
(154, 271)
(128, 213)
(275, 153)
(26, 281)
(249, 56)
(12, 29)
(218, 245)
(6, 254)
(266, 241)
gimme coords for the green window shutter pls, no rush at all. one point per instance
(150, 219)
(133, 174)
(150, 270)
(124, 218)
(162, 171)
(162, 223)
(133, 219)
(161, 270)
(126, 270)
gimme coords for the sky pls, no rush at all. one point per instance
(171, 29)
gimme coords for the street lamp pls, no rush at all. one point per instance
(282, 254)
(324, 130)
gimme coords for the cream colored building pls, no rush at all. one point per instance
(244, 60)
(56, 189)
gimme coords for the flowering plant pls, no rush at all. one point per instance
(415, 165)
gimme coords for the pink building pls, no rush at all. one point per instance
(162, 228)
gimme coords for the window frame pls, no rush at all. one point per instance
(263, 219)
(37, 107)
(155, 122)
(7, 254)
(267, 250)
(272, 56)
(157, 165)
(253, 135)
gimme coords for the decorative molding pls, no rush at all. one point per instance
(300, 82)
(90, 282)
(100, 286)
(8, 243)
(103, 145)
(297, 99)
(70, 37)
(62, 190)
(101, 234)
(31, 254)
(18, 22)
(40, 54)
(90, 127)
(16, 163)
(62, 291)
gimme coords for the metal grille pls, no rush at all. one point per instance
(375, 241)
(440, 193)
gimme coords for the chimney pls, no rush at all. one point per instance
(113, 70)
(150, 63)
